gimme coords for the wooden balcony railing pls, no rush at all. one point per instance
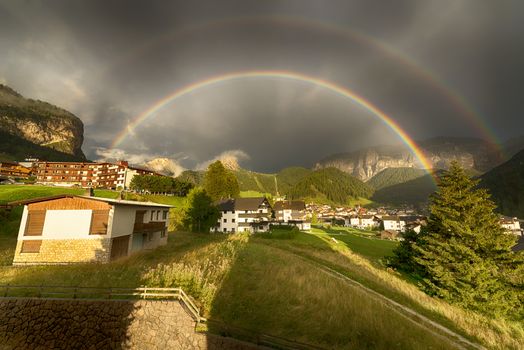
(152, 226)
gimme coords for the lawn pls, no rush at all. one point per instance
(362, 242)
(10, 193)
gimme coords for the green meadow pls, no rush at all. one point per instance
(300, 286)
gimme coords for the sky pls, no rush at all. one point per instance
(436, 67)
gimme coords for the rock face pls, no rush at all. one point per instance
(472, 154)
(40, 123)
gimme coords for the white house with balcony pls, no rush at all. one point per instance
(243, 215)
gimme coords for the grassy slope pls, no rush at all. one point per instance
(268, 286)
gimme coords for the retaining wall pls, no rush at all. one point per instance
(27, 323)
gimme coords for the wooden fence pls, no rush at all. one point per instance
(94, 293)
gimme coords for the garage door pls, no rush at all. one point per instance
(119, 247)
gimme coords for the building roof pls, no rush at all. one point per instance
(519, 246)
(390, 218)
(100, 199)
(293, 205)
(252, 203)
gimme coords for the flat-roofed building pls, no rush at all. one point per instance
(84, 174)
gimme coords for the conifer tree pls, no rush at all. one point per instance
(220, 182)
(464, 255)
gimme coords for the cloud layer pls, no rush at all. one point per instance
(108, 65)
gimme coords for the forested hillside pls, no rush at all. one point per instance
(413, 192)
(394, 176)
(332, 185)
(289, 177)
(506, 185)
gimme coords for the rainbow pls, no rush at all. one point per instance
(340, 90)
(455, 99)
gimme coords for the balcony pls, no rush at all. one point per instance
(152, 226)
(254, 215)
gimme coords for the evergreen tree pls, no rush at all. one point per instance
(200, 214)
(220, 183)
(464, 255)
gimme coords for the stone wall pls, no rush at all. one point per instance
(27, 323)
(55, 251)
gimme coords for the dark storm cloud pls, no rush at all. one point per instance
(107, 61)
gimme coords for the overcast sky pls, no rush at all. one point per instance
(108, 61)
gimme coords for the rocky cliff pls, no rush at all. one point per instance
(40, 123)
(472, 154)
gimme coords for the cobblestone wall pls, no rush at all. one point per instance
(66, 251)
(27, 323)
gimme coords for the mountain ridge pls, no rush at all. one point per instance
(40, 123)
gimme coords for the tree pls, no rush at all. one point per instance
(220, 182)
(464, 256)
(200, 214)
(160, 184)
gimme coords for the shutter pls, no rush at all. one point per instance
(35, 223)
(99, 221)
(31, 246)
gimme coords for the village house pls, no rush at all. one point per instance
(363, 222)
(243, 215)
(85, 174)
(72, 229)
(393, 223)
(511, 225)
(292, 213)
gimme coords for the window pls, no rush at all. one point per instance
(99, 219)
(35, 223)
(152, 214)
(31, 246)
(225, 230)
(233, 229)
(162, 233)
(232, 220)
(165, 215)
(225, 220)
(157, 215)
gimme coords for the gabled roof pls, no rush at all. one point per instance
(100, 199)
(293, 205)
(242, 203)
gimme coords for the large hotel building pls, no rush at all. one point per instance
(84, 174)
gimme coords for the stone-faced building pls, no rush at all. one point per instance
(243, 215)
(71, 229)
